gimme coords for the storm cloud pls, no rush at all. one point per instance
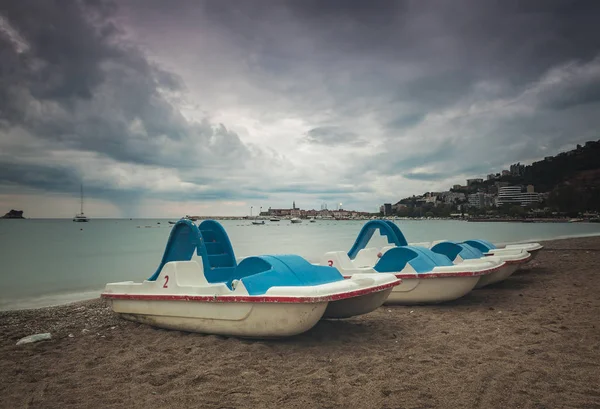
(248, 103)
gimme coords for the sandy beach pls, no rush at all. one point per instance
(532, 341)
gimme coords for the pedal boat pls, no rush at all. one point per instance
(460, 252)
(427, 277)
(490, 249)
(261, 297)
(513, 256)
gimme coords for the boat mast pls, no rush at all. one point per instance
(82, 198)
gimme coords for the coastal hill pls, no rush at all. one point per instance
(13, 214)
(570, 179)
(569, 183)
(566, 167)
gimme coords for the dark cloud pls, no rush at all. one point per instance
(79, 85)
(421, 91)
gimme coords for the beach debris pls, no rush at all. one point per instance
(34, 338)
(85, 330)
(71, 336)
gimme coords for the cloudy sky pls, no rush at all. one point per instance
(165, 108)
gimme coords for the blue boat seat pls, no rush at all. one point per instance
(452, 250)
(422, 260)
(259, 273)
(482, 245)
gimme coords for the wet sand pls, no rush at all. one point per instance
(532, 341)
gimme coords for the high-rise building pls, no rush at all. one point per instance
(514, 195)
(517, 169)
(387, 209)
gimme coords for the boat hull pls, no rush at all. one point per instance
(500, 275)
(248, 320)
(431, 290)
(534, 254)
(351, 307)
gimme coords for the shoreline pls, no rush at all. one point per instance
(535, 335)
(63, 299)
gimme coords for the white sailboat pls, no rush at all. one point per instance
(81, 217)
(256, 221)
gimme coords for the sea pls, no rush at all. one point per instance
(47, 262)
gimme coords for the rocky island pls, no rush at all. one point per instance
(13, 214)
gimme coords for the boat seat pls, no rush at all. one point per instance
(454, 250)
(263, 272)
(339, 259)
(482, 245)
(189, 273)
(420, 259)
(366, 257)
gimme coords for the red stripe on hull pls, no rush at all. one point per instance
(444, 275)
(249, 298)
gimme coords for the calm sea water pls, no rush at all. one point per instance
(48, 262)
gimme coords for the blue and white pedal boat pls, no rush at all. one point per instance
(513, 257)
(427, 277)
(490, 249)
(460, 252)
(262, 296)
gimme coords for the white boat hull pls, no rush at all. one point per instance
(182, 299)
(500, 275)
(431, 290)
(356, 306)
(252, 320)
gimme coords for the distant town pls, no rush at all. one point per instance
(323, 213)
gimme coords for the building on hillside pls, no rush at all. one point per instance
(481, 200)
(398, 207)
(474, 181)
(505, 173)
(430, 198)
(492, 176)
(387, 209)
(517, 169)
(453, 197)
(515, 195)
(477, 200)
